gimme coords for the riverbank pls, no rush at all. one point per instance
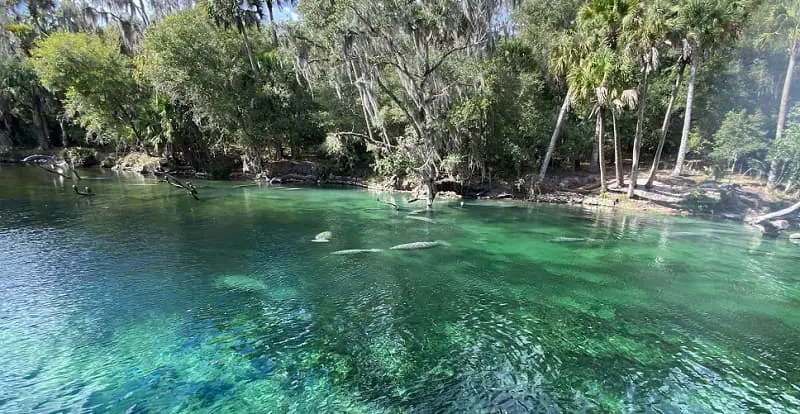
(732, 198)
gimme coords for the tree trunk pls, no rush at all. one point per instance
(6, 135)
(637, 138)
(617, 154)
(593, 164)
(777, 214)
(430, 186)
(665, 125)
(143, 13)
(554, 138)
(253, 63)
(64, 134)
(601, 163)
(272, 23)
(772, 179)
(40, 124)
(687, 119)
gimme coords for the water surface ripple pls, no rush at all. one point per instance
(141, 300)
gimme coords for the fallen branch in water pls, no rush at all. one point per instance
(188, 186)
(774, 215)
(85, 192)
(50, 166)
(54, 171)
(389, 203)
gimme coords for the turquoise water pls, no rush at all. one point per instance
(143, 300)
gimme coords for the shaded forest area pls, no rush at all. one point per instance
(425, 95)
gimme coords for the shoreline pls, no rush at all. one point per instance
(732, 199)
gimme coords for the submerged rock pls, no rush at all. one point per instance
(263, 365)
(206, 392)
(767, 229)
(780, 224)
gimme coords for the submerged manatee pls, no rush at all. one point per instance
(323, 237)
(419, 245)
(420, 218)
(573, 239)
(356, 251)
(241, 282)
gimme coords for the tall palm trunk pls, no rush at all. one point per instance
(637, 138)
(687, 119)
(253, 63)
(272, 23)
(143, 13)
(553, 139)
(617, 153)
(602, 165)
(772, 180)
(665, 125)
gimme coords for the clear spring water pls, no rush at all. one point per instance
(143, 300)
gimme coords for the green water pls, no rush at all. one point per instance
(143, 300)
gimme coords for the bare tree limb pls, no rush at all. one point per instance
(780, 213)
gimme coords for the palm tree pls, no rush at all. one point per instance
(786, 29)
(708, 26)
(683, 60)
(565, 53)
(590, 82)
(271, 5)
(643, 27)
(227, 13)
(626, 99)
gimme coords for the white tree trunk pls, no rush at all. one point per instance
(554, 138)
(772, 180)
(665, 125)
(617, 154)
(637, 138)
(777, 214)
(600, 160)
(687, 119)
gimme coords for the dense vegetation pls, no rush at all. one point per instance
(467, 90)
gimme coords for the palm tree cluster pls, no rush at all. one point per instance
(423, 92)
(615, 40)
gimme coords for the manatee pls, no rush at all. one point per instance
(419, 245)
(572, 239)
(356, 251)
(425, 219)
(241, 282)
(323, 237)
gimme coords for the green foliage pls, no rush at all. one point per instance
(227, 102)
(740, 135)
(97, 80)
(420, 88)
